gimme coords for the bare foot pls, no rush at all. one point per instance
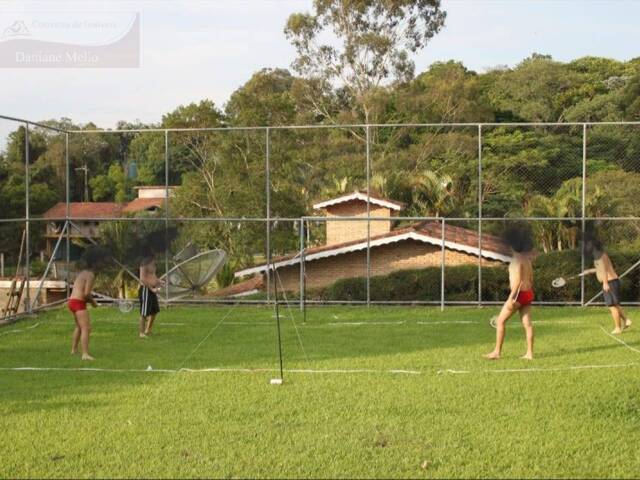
(627, 324)
(527, 356)
(86, 356)
(492, 356)
(616, 331)
(142, 335)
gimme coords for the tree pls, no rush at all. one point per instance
(114, 186)
(533, 91)
(432, 194)
(446, 93)
(266, 99)
(375, 39)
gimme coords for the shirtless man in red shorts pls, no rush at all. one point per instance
(80, 295)
(521, 295)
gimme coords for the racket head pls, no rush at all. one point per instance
(125, 306)
(559, 282)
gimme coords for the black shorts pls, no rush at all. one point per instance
(148, 301)
(612, 297)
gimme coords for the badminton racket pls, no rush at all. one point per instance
(123, 304)
(562, 281)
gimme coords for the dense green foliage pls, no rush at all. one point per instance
(572, 413)
(526, 171)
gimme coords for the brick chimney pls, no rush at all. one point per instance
(355, 205)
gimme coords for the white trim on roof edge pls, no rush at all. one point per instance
(377, 243)
(357, 196)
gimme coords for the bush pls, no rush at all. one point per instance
(461, 282)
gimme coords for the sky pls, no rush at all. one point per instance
(196, 49)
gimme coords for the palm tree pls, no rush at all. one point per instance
(565, 203)
(432, 193)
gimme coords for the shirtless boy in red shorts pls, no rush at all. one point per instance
(80, 295)
(521, 295)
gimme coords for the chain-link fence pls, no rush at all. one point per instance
(361, 214)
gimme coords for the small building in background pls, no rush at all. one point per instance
(87, 216)
(344, 251)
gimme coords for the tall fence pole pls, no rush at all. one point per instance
(67, 208)
(302, 299)
(268, 198)
(27, 214)
(368, 168)
(479, 215)
(584, 209)
(166, 216)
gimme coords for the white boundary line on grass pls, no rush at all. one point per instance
(107, 320)
(538, 370)
(206, 370)
(480, 322)
(249, 323)
(314, 371)
(441, 322)
(619, 340)
(355, 324)
(20, 330)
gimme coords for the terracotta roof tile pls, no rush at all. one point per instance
(453, 234)
(142, 204)
(85, 210)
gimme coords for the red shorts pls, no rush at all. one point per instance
(525, 297)
(76, 305)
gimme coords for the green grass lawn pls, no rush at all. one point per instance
(384, 392)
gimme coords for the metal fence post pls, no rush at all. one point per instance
(584, 209)
(442, 267)
(67, 215)
(479, 215)
(268, 198)
(27, 214)
(302, 292)
(166, 214)
(368, 168)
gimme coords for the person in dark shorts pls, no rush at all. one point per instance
(606, 274)
(147, 295)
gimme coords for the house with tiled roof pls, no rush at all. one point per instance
(87, 216)
(344, 252)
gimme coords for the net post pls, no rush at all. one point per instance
(584, 210)
(268, 212)
(442, 266)
(277, 307)
(27, 212)
(479, 215)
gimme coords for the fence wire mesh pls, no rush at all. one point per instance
(360, 214)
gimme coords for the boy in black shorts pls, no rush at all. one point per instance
(147, 294)
(606, 274)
